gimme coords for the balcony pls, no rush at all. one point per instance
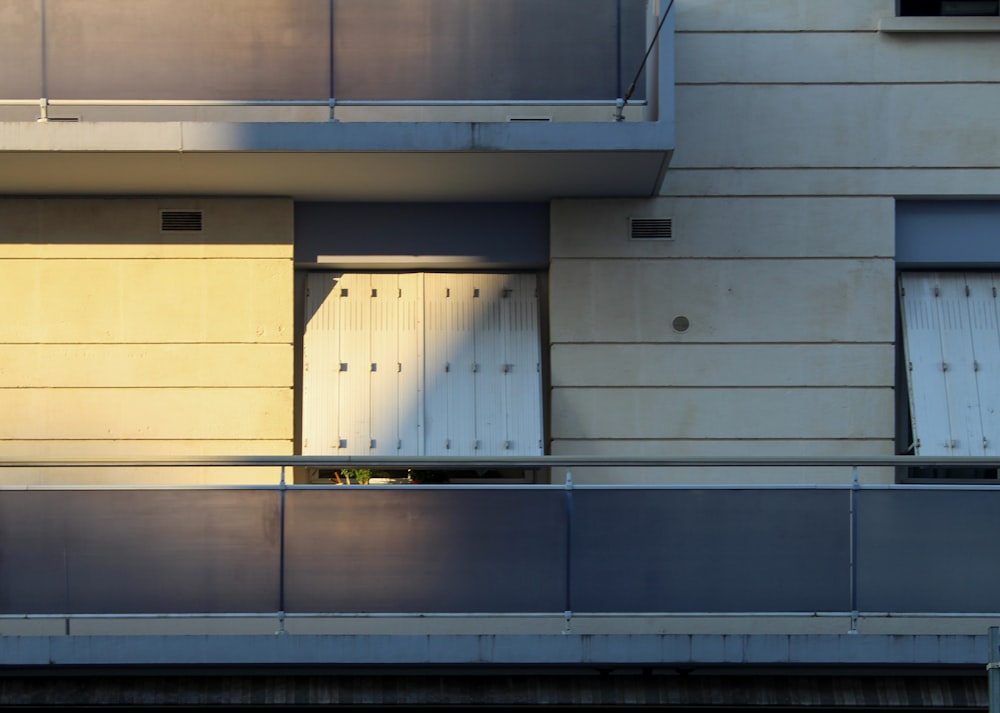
(389, 594)
(846, 571)
(394, 100)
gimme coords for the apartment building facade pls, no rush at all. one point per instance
(605, 230)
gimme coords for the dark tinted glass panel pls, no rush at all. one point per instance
(503, 49)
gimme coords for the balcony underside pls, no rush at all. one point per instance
(336, 161)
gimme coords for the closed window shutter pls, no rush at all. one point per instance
(435, 364)
(952, 350)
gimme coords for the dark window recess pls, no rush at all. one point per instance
(651, 229)
(948, 8)
(956, 474)
(181, 221)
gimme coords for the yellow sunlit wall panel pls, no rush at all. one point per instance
(120, 339)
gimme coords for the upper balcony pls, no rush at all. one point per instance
(336, 99)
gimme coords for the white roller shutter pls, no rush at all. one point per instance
(449, 363)
(422, 364)
(320, 373)
(355, 364)
(491, 397)
(952, 350)
(523, 364)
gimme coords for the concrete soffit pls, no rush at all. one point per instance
(337, 161)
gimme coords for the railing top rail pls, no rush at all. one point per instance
(534, 462)
(332, 101)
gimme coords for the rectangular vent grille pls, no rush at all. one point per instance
(172, 221)
(651, 228)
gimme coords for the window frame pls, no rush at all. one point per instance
(938, 235)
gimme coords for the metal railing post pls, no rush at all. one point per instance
(855, 493)
(568, 612)
(281, 554)
(993, 669)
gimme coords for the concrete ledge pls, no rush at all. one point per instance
(649, 650)
(430, 137)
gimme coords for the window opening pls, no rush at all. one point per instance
(421, 364)
(950, 327)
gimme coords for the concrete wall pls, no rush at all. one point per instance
(122, 341)
(798, 125)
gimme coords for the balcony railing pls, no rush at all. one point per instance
(296, 552)
(288, 60)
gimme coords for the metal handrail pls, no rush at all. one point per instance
(45, 103)
(313, 102)
(527, 462)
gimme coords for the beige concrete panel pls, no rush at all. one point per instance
(100, 136)
(784, 15)
(146, 300)
(838, 57)
(722, 413)
(21, 49)
(836, 126)
(235, 223)
(19, 223)
(142, 251)
(140, 477)
(728, 475)
(109, 414)
(135, 365)
(729, 227)
(732, 448)
(724, 300)
(696, 476)
(140, 450)
(721, 365)
(130, 227)
(901, 182)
